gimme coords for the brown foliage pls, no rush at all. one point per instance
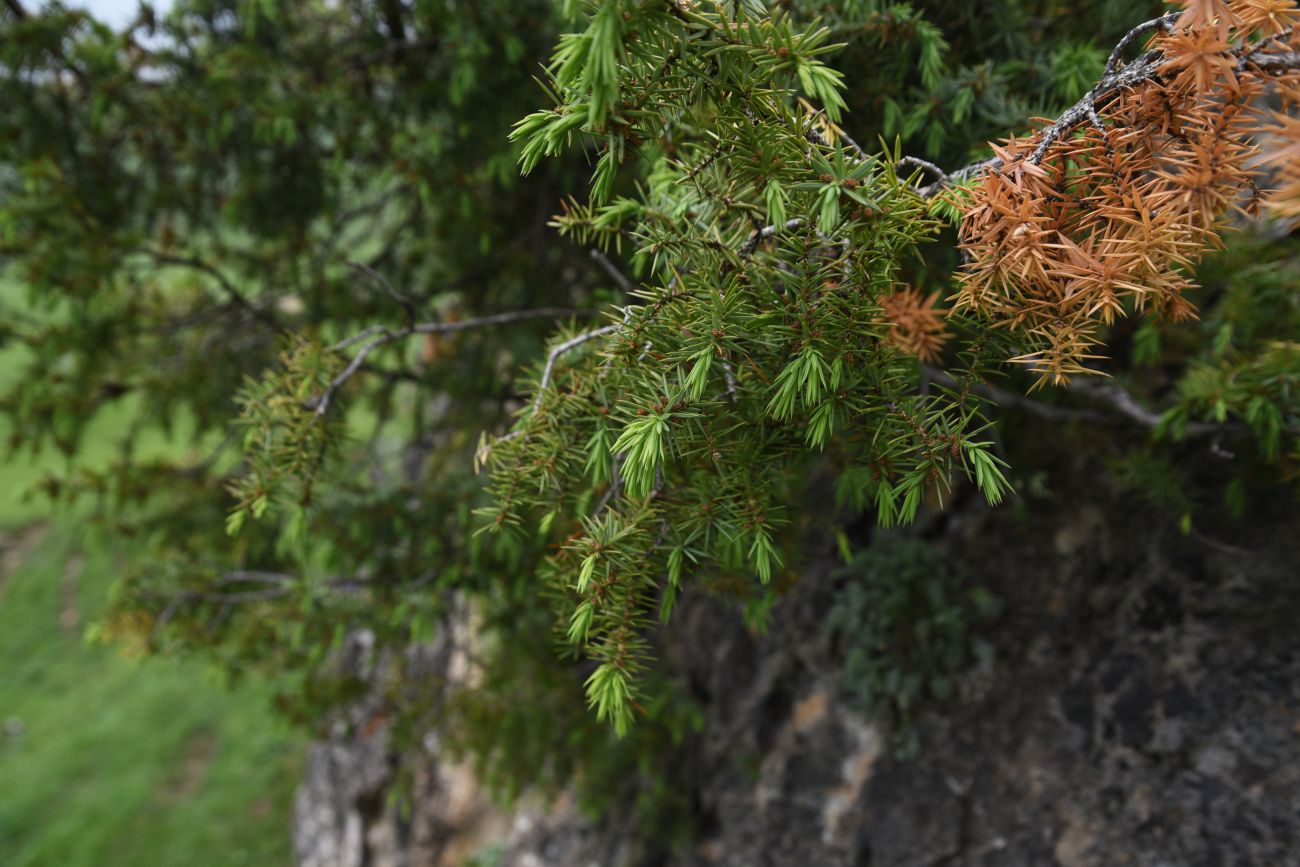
(917, 323)
(1112, 214)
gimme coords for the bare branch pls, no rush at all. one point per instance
(387, 288)
(1164, 22)
(377, 336)
(759, 235)
(1284, 61)
(612, 270)
(275, 585)
(731, 380)
(1002, 397)
(1113, 395)
(562, 348)
(228, 287)
(917, 162)
(1124, 405)
(1116, 77)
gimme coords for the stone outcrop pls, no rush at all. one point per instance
(1142, 708)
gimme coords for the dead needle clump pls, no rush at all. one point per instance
(917, 324)
(1076, 227)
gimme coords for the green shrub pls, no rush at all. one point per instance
(905, 620)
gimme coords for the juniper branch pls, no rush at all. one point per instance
(1124, 405)
(1115, 78)
(1113, 395)
(762, 234)
(917, 162)
(381, 281)
(560, 349)
(1164, 22)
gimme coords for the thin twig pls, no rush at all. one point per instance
(276, 585)
(1164, 22)
(226, 286)
(377, 336)
(730, 376)
(759, 235)
(1125, 405)
(562, 348)
(1115, 78)
(612, 270)
(1002, 397)
(917, 162)
(1113, 395)
(387, 288)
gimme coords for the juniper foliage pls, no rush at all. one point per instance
(670, 442)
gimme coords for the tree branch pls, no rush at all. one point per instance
(562, 348)
(1114, 396)
(612, 270)
(481, 454)
(226, 286)
(1124, 405)
(379, 335)
(387, 288)
(917, 162)
(759, 235)
(1164, 22)
(1115, 78)
(274, 585)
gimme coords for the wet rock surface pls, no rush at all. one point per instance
(1142, 708)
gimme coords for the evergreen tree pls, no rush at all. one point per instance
(759, 279)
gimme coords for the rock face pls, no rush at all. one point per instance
(1142, 708)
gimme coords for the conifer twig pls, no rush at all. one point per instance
(1115, 78)
(562, 348)
(1114, 395)
(382, 282)
(545, 381)
(1126, 406)
(759, 235)
(917, 162)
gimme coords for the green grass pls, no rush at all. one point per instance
(106, 760)
(111, 761)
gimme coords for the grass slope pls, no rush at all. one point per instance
(105, 760)
(110, 761)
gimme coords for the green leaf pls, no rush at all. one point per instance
(580, 623)
(642, 447)
(608, 692)
(586, 571)
(235, 521)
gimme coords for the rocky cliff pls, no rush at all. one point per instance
(1142, 708)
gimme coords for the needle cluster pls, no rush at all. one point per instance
(1104, 213)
